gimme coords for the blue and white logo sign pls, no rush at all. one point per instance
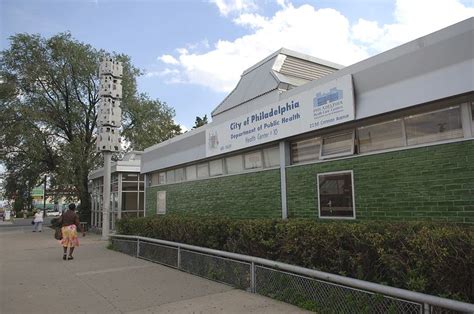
(322, 99)
(319, 107)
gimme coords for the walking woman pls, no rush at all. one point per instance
(69, 223)
(38, 221)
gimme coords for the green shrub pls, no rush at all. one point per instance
(425, 257)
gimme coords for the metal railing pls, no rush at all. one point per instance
(307, 288)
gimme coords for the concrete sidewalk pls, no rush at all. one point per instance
(35, 279)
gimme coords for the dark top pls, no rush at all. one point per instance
(69, 218)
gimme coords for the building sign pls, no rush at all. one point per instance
(320, 107)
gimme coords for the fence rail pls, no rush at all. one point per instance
(301, 286)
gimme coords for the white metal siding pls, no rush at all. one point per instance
(304, 69)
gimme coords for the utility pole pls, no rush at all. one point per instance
(44, 196)
(109, 122)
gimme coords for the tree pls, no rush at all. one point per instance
(49, 91)
(200, 121)
(147, 122)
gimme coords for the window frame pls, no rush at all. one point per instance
(197, 170)
(351, 172)
(168, 176)
(213, 162)
(187, 173)
(242, 169)
(406, 119)
(329, 135)
(267, 152)
(402, 135)
(254, 152)
(162, 177)
(183, 174)
(316, 139)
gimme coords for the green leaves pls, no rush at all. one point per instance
(148, 122)
(200, 121)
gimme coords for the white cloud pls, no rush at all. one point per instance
(165, 72)
(234, 6)
(168, 59)
(323, 33)
(302, 29)
(413, 19)
(366, 31)
(250, 20)
(283, 3)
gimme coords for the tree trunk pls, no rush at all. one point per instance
(84, 196)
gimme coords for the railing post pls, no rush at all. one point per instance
(426, 308)
(179, 257)
(138, 248)
(253, 287)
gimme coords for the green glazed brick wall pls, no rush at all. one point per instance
(249, 195)
(434, 183)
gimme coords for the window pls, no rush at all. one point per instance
(336, 195)
(170, 178)
(179, 175)
(203, 170)
(155, 178)
(215, 167)
(434, 126)
(129, 186)
(129, 201)
(191, 173)
(234, 164)
(114, 186)
(338, 145)
(305, 150)
(162, 178)
(271, 157)
(380, 136)
(129, 176)
(253, 160)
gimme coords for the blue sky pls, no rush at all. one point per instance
(193, 52)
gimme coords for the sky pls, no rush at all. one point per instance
(192, 52)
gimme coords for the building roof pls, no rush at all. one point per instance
(130, 162)
(282, 70)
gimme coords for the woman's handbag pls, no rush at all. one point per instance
(32, 222)
(58, 234)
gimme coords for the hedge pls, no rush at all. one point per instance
(437, 259)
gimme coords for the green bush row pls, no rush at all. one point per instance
(424, 257)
